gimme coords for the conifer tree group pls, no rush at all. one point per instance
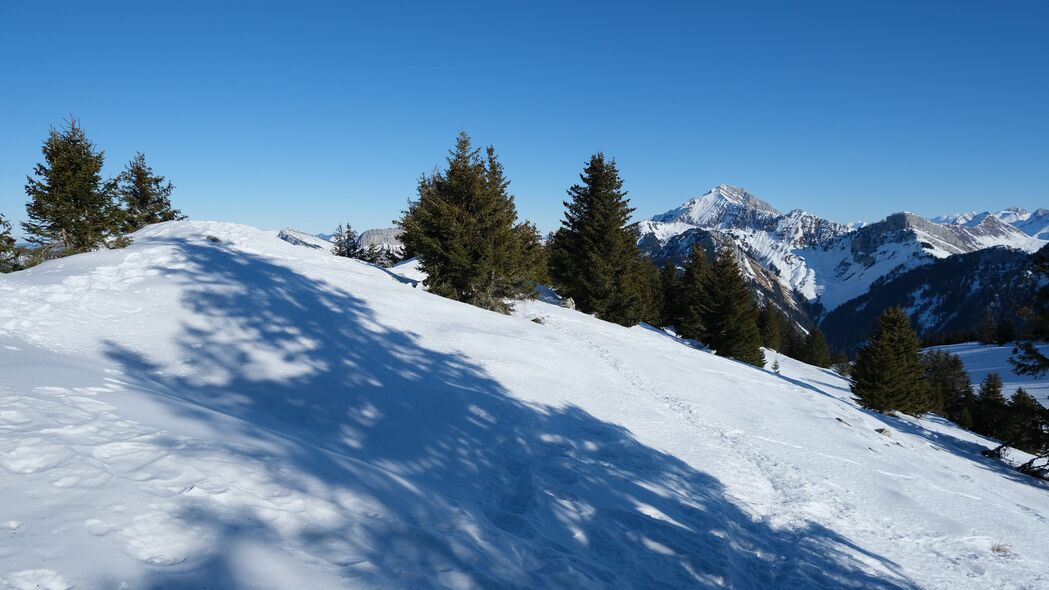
(463, 228)
(712, 303)
(8, 247)
(71, 208)
(344, 242)
(1027, 359)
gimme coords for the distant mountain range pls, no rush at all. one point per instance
(810, 266)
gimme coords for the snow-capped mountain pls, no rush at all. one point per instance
(819, 262)
(213, 407)
(1033, 223)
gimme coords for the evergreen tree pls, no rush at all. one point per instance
(670, 292)
(888, 374)
(146, 196)
(990, 414)
(988, 330)
(344, 242)
(772, 323)
(594, 258)
(1028, 424)
(952, 392)
(463, 228)
(815, 351)
(1027, 359)
(694, 296)
(731, 323)
(8, 249)
(70, 208)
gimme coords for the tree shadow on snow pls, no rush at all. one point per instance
(430, 473)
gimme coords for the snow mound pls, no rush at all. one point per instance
(215, 407)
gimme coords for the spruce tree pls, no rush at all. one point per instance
(8, 248)
(344, 242)
(594, 258)
(1026, 427)
(771, 324)
(815, 351)
(70, 208)
(1026, 358)
(952, 391)
(463, 229)
(694, 299)
(731, 321)
(670, 293)
(146, 196)
(888, 374)
(990, 414)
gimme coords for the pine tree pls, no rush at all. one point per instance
(344, 242)
(815, 351)
(594, 258)
(694, 299)
(989, 416)
(952, 391)
(463, 228)
(70, 208)
(670, 292)
(731, 323)
(775, 365)
(888, 374)
(1026, 358)
(1027, 426)
(8, 248)
(771, 323)
(146, 196)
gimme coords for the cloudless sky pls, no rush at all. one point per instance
(307, 114)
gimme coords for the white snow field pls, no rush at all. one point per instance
(981, 359)
(246, 413)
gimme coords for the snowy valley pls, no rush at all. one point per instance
(214, 406)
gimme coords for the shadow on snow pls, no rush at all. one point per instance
(455, 482)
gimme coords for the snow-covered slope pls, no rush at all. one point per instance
(248, 413)
(823, 261)
(299, 238)
(981, 359)
(1034, 224)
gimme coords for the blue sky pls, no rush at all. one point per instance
(308, 114)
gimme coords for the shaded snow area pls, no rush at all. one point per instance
(247, 413)
(981, 359)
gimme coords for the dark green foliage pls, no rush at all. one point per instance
(1026, 359)
(694, 299)
(8, 249)
(463, 228)
(594, 258)
(772, 324)
(1027, 426)
(146, 196)
(344, 242)
(840, 364)
(670, 294)
(990, 412)
(888, 374)
(731, 325)
(952, 392)
(70, 208)
(815, 350)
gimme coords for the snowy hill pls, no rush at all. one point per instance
(1034, 224)
(241, 412)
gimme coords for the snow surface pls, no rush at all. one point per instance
(981, 359)
(252, 414)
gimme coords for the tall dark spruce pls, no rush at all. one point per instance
(71, 209)
(8, 247)
(694, 296)
(146, 196)
(888, 374)
(464, 230)
(594, 258)
(731, 322)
